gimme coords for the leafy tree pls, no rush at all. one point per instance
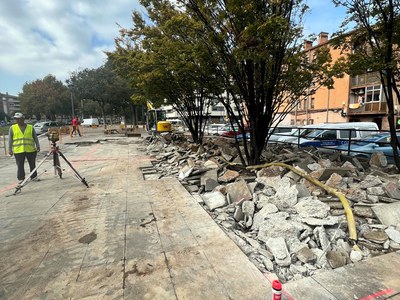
(45, 97)
(101, 85)
(257, 48)
(89, 108)
(374, 45)
(165, 60)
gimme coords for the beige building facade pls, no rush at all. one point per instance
(352, 99)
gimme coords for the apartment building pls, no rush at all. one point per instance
(9, 104)
(352, 99)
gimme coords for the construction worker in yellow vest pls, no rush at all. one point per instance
(23, 143)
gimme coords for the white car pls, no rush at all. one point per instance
(43, 127)
(215, 129)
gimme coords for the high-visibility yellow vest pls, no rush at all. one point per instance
(23, 142)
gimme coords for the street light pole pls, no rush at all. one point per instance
(327, 105)
(72, 105)
(82, 109)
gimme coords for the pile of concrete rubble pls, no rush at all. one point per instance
(284, 223)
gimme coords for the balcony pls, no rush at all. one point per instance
(367, 108)
(365, 79)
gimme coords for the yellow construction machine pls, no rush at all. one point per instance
(156, 119)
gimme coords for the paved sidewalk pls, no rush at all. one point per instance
(121, 238)
(130, 238)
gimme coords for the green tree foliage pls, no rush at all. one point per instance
(373, 45)
(257, 46)
(101, 85)
(45, 97)
(166, 60)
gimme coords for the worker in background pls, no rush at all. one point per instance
(23, 143)
(75, 127)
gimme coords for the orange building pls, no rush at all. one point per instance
(352, 99)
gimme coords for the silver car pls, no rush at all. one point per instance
(43, 127)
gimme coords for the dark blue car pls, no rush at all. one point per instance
(375, 143)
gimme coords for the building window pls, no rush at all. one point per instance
(373, 93)
(367, 94)
(218, 108)
(312, 102)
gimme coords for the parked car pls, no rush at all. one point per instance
(336, 134)
(281, 131)
(375, 143)
(292, 136)
(43, 127)
(231, 133)
(216, 129)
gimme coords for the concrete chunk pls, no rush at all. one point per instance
(279, 249)
(238, 191)
(392, 189)
(214, 200)
(388, 214)
(312, 208)
(329, 171)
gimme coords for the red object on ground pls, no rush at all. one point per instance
(276, 290)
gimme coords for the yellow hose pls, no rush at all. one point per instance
(349, 214)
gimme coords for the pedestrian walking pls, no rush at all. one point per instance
(75, 127)
(23, 143)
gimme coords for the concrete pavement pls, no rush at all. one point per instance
(129, 238)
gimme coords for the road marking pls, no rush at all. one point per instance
(378, 294)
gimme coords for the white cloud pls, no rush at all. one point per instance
(41, 37)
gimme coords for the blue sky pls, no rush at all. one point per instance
(41, 37)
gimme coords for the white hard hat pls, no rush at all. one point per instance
(18, 115)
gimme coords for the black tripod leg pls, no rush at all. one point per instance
(73, 169)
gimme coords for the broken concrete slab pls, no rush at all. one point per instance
(336, 259)
(263, 214)
(392, 189)
(279, 249)
(378, 159)
(238, 191)
(329, 171)
(313, 208)
(388, 214)
(228, 176)
(370, 181)
(305, 255)
(328, 221)
(393, 234)
(214, 200)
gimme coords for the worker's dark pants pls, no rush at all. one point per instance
(74, 130)
(20, 159)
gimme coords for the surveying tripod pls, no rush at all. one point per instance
(55, 153)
